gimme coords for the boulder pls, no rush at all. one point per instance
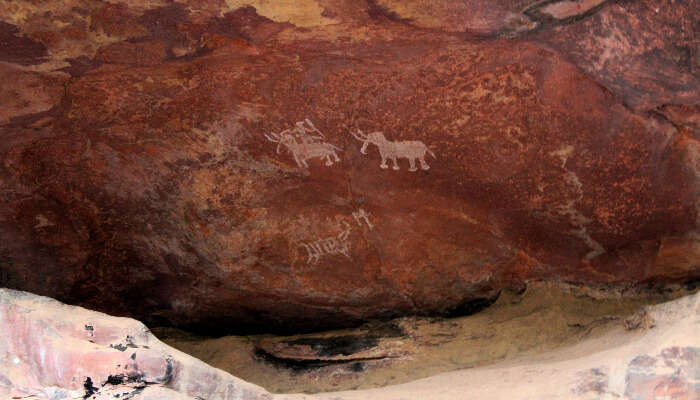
(49, 350)
(236, 165)
(660, 360)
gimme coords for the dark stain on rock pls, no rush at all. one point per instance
(338, 345)
(242, 23)
(120, 379)
(119, 347)
(295, 366)
(89, 388)
(15, 48)
(546, 21)
(685, 55)
(692, 284)
(168, 376)
(301, 366)
(133, 53)
(381, 13)
(324, 349)
(34, 120)
(472, 306)
(5, 265)
(357, 367)
(122, 347)
(81, 11)
(133, 393)
(166, 23)
(384, 329)
(79, 66)
(115, 380)
(329, 13)
(130, 342)
(654, 70)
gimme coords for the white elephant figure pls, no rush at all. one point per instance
(411, 149)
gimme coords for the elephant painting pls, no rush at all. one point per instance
(411, 149)
(304, 144)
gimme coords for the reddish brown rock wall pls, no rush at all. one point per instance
(145, 179)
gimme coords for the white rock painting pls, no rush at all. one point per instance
(337, 244)
(360, 215)
(410, 149)
(305, 142)
(332, 245)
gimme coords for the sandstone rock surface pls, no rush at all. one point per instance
(544, 318)
(50, 350)
(197, 163)
(662, 362)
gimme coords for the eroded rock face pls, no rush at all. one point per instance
(661, 362)
(218, 164)
(49, 350)
(55, 351)
(542, 319)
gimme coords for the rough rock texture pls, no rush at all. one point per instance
(198, 164)
(49, 350)
(544, 318)
(663, 362)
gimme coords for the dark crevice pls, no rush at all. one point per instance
(120, 379)
(301, 366)
(323, 349)
(338, 345)
(90, 390)
(19, 49)
(547, 21)
(540, 22)
(259, 322)
(381, 13)
(472, 306)
(80, 66)
(36, 120)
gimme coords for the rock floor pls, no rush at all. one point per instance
(621, 349)
(545, 317)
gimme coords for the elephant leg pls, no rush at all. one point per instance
(336, 156)
(424, 165)
(396, 164)
(383, 164)
(328, 160)
(412, 164)
(303, 161)
(300, 162)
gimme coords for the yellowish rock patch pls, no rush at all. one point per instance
(302, 13)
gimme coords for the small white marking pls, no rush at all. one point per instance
(331, 245)
(42, 222)
(362, 214)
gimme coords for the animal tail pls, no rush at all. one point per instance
(431, 153)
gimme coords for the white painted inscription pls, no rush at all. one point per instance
(305, 142)
(332, 245)
(411, 149)
(361, 214)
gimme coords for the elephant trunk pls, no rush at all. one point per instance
(363, 150)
